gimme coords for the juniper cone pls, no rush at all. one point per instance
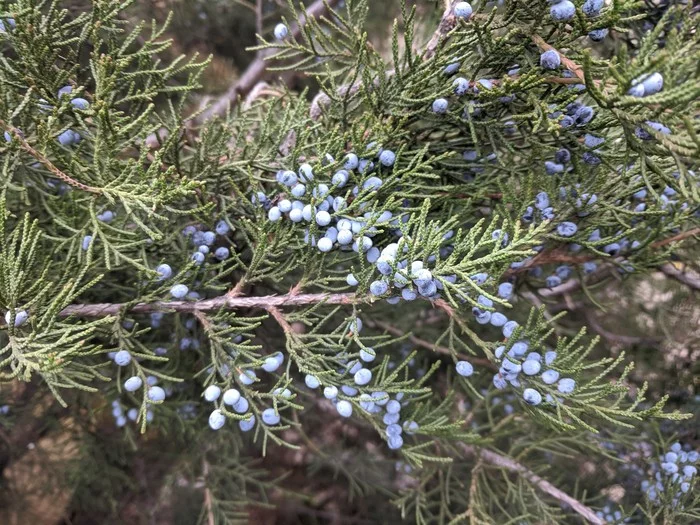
(452, 279)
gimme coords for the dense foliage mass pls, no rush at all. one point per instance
(364, 279)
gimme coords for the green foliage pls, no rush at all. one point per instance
(454, 200)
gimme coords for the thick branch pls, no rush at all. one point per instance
(545, 486)
(218, 303)
(257, 68)
(17, 135)
(687, 277)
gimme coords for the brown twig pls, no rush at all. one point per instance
(255, 71)
(567, 62)
(224, 302)
(448, 22)
(17, 135)
(545, 486)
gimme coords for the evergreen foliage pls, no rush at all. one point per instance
(193, 279)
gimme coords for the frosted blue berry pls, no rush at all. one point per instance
(156, 394)
(566, 385)
(344, 408)
(505, 290)
(542, 200)
(312, 381)
(80, 103)
(21, 317)
(306, 174)
(241, 406)
(498, 319)
(288, 178)
(549, 377)
(362, 376)
(324, 244)
(591, 8)
(231, 396)
(378, 288)
(598, 35)
(212, 393)
(8, 137)
(351, 162)
(281, 31)
(367, 355)
(198, 257)
(133, 384)
(246, 425)
(531, 367)
(463, 10)
(270, 417)
(222, 253)
(653, 84)
(440, 106)
(567, 229)
(552, 168)
(550, 356)
(461, 86)
(216, 420)
(509, 328)
(395, 442)
(387, 158)
(464, 368)
(550, 59)
(330, 392)
(393, 407)
(499, 382)
(122, 358)
(222, 228)
(532, 396)
(480, 278)
(562, 11)
(394, 430)
(67, 138)
(247, 377)
(552, 281)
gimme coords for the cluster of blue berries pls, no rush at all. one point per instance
(608, 515)
(313, 202)
(131, 415)
(673, 475)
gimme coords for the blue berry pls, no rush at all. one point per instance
(362, 376)
(591, 8)
(562, 11)
(222, 253)
(231, 396)
(550, 59)
(281, 31)
(567, 229)
(133, 384)
(351, 162)
(387, 158)
(440, 106)
(246, 425)
(549, 377)
(247, 377)
(216, 420)
(531, 367)
(212, 393)
(241, 406)
(542, 200)
(312, 381)
(464, 368)
(395, 442)
(222, 228)
(598, 35)
(463, 10)
(566, 385)
(324, 244)
(378, 288)
(461, 86)
(505, 290)
(344, 408)
(122, 358)
(80, 103)
(532, 396)
(156, 394)
(179, 291)
(552, 168)
(21, 317)
(270, 417)
(498, 319)
(509, 328)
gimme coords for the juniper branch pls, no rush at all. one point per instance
(256, 70)
(511, 465)
(17, 135)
